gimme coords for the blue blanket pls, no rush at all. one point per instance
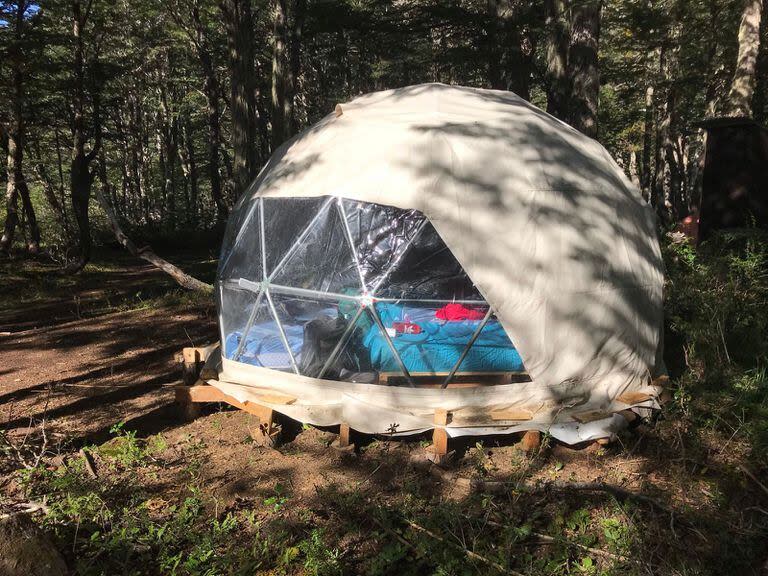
(440, 344)
(264, 347)
(435, 350)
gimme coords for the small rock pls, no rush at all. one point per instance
(26, 551)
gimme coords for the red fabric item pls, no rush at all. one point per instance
(457, 312)
(406, 328)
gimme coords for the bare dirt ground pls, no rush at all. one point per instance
(80, 355)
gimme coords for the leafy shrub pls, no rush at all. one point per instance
(717, 329)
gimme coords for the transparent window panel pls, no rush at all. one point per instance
(250, 334)
(234, 224)
(428, 270)
(285, 220)
(430, 338)
(380, 235)
(236, 307)
(491, 352)
(314, 327)
(245, 258)
(364, 355)
(323, 260)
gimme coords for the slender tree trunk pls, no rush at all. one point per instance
(646, 166)
(509, 62)
(186, 152)
(760, 100)
(211, 91)
(279, 71)
(558, 85)
(80, 176)
(297, 29)
(49, 191)
(11, 198)
(16, 185)
(239, 24)
(33, 244)
(743, 84)
(583, 64)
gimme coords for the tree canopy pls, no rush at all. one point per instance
(171, 107)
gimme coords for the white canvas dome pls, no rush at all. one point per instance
(543, 222)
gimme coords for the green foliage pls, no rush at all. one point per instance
(717, 310)
(319, 558)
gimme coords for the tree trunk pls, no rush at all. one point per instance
(49, 191)
(297, 28)
(583, 65)
(743, 84)
(646, 166)
(80, 176)
(186, 151)
(239, 24)
(509, 61)
(11, 198)
(760, 99)
(557, 58)
(16, 185)
(146, 253)
(279, 71)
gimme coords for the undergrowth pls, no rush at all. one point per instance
(717, 345)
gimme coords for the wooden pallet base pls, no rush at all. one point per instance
(266, 433)
(190, 397)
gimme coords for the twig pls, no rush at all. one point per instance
(88, 461)
(469, 553)
(553, 540)
(753, 478)
(27, 508)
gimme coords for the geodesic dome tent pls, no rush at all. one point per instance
(442, 247)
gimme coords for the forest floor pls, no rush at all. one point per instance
(88, 362)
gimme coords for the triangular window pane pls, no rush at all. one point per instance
(255, 338)
(313, 327)
(323, 260)
(492, 353)
(244, 260)
(429, 270)
(284, 222)
(430, 338)
(365, 355)
(380, 235)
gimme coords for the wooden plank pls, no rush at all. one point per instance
(204, 393)
(439, 435)
(634, 397)
(461, 379)
(531, 441)
(591, 416)
(442, 417)
(344, 434)
(197, 354)
(520, 414)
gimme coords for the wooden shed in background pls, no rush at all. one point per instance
(735, 180)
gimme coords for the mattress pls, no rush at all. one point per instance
(439, 344)
(264, 347)
(434, 349)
